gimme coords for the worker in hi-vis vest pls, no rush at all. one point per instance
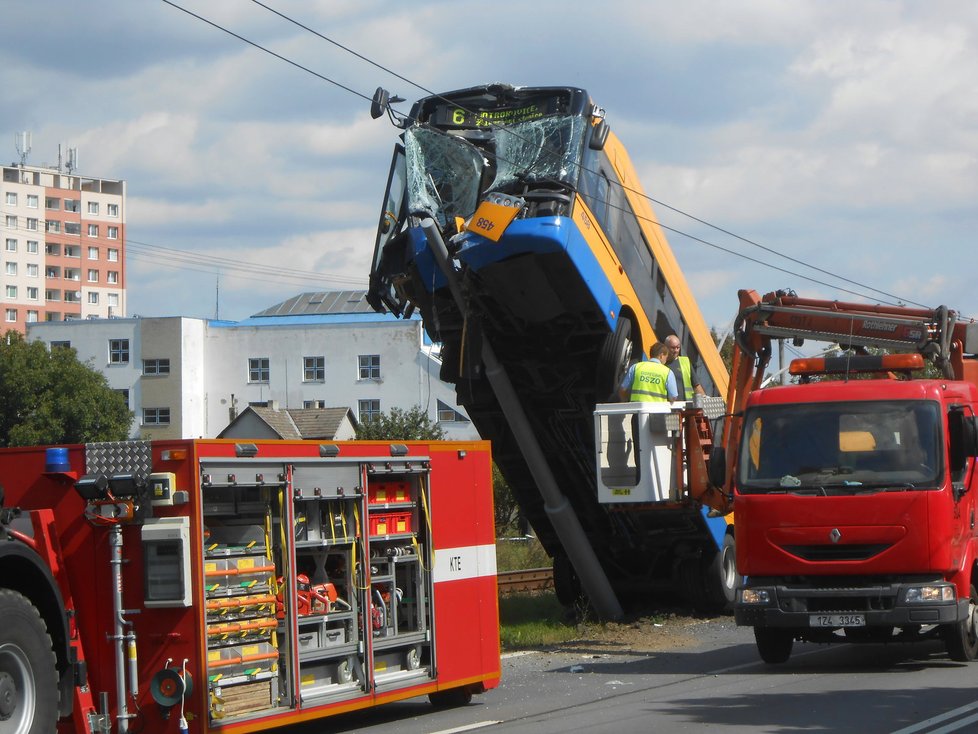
(650, 381)
(686, 378)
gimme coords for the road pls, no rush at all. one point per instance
(712, 682)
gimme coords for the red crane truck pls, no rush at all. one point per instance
(855, 497)
(214, 586)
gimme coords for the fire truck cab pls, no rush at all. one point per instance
(208, 585)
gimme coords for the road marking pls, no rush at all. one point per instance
(467, 727)
(941, 718)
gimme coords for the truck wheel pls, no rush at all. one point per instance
(613, 360)
(961, 638)
(28, 672)
(774, 644)
(451, 698)
(723, 572)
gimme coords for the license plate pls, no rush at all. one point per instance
(836, 620)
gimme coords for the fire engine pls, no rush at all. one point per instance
(855, 497)
(221, 586)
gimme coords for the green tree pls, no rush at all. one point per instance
(49, 397)
(505, 506)
(401, 425)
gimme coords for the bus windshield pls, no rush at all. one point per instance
(842, 447)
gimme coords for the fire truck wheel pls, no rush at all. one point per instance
(774, 644)
(28, 674)
(613, 360)
(961, 639)
(451, 698)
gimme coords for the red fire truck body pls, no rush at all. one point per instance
(207, 585)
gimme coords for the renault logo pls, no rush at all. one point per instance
(835, 535)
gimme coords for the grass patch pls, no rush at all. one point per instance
(534, 620)
(519, 554)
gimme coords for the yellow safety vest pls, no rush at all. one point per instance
(687, 370)
(649, 383)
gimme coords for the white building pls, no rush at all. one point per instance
(187, 378)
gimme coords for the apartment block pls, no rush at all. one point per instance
(63, 246)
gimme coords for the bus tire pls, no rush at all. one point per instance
(723, 572)
(961, 638)
(28, 668)
(774, 644)
(614, 359)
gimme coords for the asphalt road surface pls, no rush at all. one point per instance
(707, 678)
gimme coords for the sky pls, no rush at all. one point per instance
(822, 146)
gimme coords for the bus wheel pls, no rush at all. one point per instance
(961, 638)
(723, 571)
(614, 359)
(774, 644)
(28, 673)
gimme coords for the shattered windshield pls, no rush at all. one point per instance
(444, 174)
(541, 151)
(828, 448)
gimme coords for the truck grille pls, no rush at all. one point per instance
(853, 552)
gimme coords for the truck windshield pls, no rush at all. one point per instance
(850, 447)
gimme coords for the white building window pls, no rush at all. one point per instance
(118, 350)
(72, 205)
(11, 198)
(11, 315)
(113, 299)
(93, 207)
(11, 221)
(313, 404)
(258, 370)
(156, 416)
(92, 275)
(32, 224)
(73, 251)
(93, 297)
(33, 270)
(31, 317)
(11, 245)
(112, 277)
(369, 366)
(52, 203)
(113, 233)
(369, 410)
(52, 248)
(112, 210)
(11, 291)
(32, 246)
(31, 293)
(32, 201)
(156, 366)
(10, 268)
(112, 255)
(314, 369)
(52, 225)
(93, 230)
(73, 228)
(93, 253)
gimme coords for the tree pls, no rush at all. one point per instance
(49, 397)
(401, 425)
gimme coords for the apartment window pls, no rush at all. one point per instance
(156, 366)
(93, 253)
(124, 392)
(52, 271)
(369, 410)
(11, 291)
(93, 230)
(32, 246)
(258, 370)
(71, 205)
(314, 369)
(52, 315)
(31, 293)
(32, 201)
(32, 224)
(92, 275)
(112, 210)
(112, 255)
(10, 268)
(11, 315)
(118, 349)
(73, 297)
(72, 274)
(52, 225)
(52, 203)
(93, 297)
(369, 366)
(112, 277)
(313, 403)
(31, 317)
(93, 207)
(113, 233)
(11, 245)
(52, 248)
(73, 228)
(11, 198)
(156, 416)
(61, 345)
(52, 295)
(72, 251)
(11, 221)
(33, 270)
(113, 299)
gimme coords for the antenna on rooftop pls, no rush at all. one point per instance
(72, 163)
(23, 142)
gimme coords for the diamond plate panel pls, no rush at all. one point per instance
(119, 457)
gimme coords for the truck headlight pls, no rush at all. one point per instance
(755, 596)
(930, 593)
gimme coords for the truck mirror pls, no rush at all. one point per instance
(717, 470)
